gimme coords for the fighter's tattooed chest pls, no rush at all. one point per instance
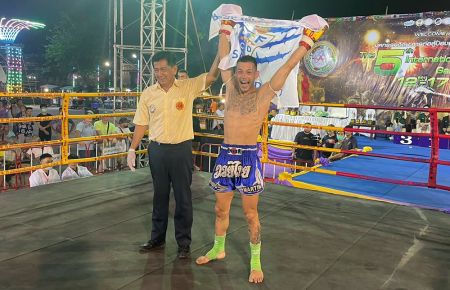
(244, 104)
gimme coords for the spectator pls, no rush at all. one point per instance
(123, 129)
(123, 143)
(45, 127)
(305, 157)
(85, 129)
(444, 124)
(349, 142)
(74, 171)
(25, 130)
(424, 117)
(17, 108)
(329, 141)
(272, 114)
(196, 124)
(105, 127)
(18, 113)
(183, 74)
(4, 113)
(44, 175)
(399, 120)
(57, 126)
(22, 110)
(220, 112)
(423, 121)
(7, 161)
(198, 106)
(95, 106)
(213, 106)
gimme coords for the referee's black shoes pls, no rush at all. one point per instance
(151, 246)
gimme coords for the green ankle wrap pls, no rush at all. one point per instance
(255, 261)
(219, 247)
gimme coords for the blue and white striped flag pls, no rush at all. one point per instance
(271, 42)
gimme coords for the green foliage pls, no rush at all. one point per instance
(72, 44)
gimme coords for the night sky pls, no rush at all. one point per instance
(49, 12)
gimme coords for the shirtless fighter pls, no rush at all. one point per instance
(238, 166)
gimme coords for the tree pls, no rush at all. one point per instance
(73, 47)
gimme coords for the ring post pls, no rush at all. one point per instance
(434, 148)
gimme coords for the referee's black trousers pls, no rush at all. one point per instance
(171, 164)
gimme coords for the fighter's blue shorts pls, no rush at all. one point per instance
(237, 167)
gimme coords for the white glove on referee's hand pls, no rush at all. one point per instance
(131, 160)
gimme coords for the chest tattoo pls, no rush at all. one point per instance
(244, 104)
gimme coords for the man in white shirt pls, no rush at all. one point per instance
(85, 128)
(44, 175)
(123, 144)
(74, 171)
(218, 124)
(123, 128)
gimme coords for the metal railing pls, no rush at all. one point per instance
(66, 141)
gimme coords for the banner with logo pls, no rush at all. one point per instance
(387, 60)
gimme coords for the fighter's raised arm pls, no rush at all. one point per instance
(224, 49)
(226, 29)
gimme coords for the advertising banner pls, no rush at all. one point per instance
(387, 60)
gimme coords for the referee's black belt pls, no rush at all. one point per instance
(169, 144)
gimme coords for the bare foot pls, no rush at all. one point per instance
(256, 277)
(204, 260)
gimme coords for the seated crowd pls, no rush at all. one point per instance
(34, 132)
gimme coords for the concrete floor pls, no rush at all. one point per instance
(84, 234)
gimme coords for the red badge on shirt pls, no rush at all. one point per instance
(179, 105)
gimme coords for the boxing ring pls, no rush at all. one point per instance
(381, 168)
(355, 175)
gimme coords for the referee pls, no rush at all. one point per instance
(165, 109)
